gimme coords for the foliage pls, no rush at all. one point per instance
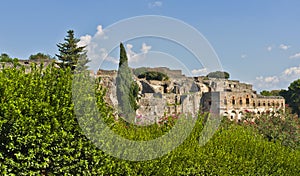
(292, 96)
(5, 58)
(40, 56)
(270, 93)
(153, 75)
(140, 70)
(126, 87)
(218, 74)
(70, 53)
(233, 150)
(281, 128)
(40, 135)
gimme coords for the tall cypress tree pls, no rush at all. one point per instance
(127, 89)
(70, 53)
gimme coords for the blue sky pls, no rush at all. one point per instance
(257, 41)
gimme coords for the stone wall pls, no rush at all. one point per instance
(187, 95)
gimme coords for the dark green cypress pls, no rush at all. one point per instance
(127, 89)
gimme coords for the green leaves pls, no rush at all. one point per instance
(152, 75)
(292, 96)
(40, 135)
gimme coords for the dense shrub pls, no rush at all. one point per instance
(152, 75)
(218, 74)
(39, 133)
(278, 127)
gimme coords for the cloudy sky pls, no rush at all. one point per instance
(256, 41)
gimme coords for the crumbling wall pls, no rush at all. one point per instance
(187, 95)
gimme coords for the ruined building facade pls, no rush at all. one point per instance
(233, 99)
(191, 95)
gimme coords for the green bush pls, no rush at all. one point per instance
(218, 74)
(39, 133)
(152, 75)
(282, 128)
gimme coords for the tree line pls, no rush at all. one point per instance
(70, 54)
(291, 96)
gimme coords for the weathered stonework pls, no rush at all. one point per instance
(189, 95)
(234, 99)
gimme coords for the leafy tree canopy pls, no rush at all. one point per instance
(40, 56)
(270, 93)
(219, 74)
(6, 58)
(292, 96)
(153, 75)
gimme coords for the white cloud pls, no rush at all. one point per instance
(271, 79)
(97, 52)
(145, 48)
(293, 71)
(284, 47)
(200, 72)
(155, 4)
(269, 48)
(136, 57)
(131, 54)
(85, 40)
(269, 82)
(243, 56)
(100, 31)
(297, 55)
(280, 81)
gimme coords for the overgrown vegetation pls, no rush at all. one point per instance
(280, 128)
(40, 57)
(40, 135)
(153, 75)
(270, 93)
(291, 96)
(218, 74)
(6, 58)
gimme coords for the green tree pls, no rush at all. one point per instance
(5, 58)
(270, 93)
(126, 88)
(292, 96)
(152, 75)
(70, 53)
(39, 134)
(40, 56)
(218, 74)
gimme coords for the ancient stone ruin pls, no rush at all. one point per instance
(191, 95)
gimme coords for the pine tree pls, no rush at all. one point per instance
(70, 53)
(127, 89)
